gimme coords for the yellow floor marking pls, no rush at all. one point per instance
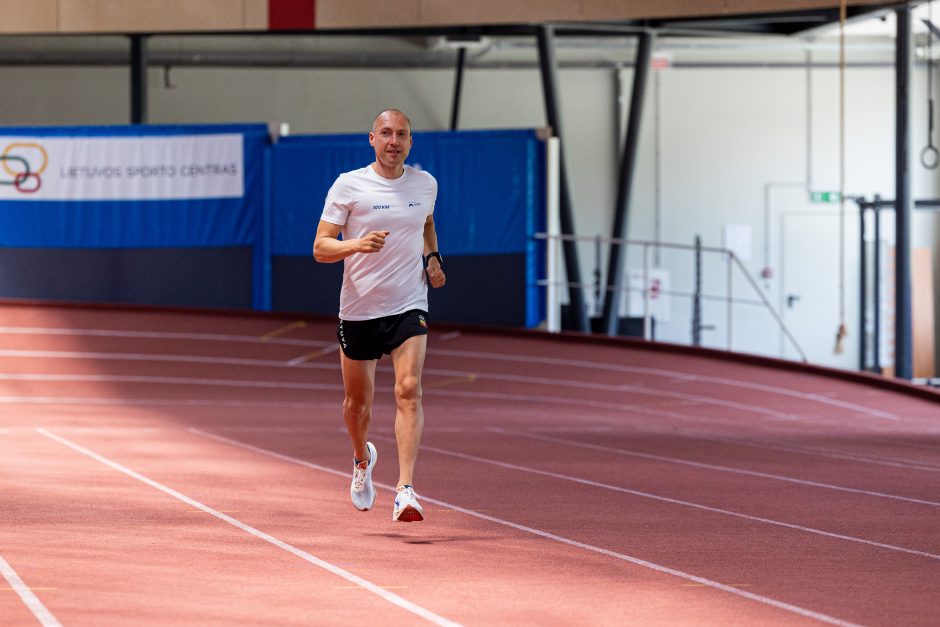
(453, 511)
(451, 381)
(313, 355)
(299, 324)
(361, 588)
(224, 511)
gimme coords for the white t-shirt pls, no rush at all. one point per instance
(392, 280)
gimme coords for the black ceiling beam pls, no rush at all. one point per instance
(577, 318)
(789, 23)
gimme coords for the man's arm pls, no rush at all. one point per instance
(435, 273)
(328, 248)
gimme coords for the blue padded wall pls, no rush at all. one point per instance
(490, 204)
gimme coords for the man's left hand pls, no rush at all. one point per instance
(435, 273)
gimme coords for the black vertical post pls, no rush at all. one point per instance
(138, 79)
(862, 290)
(876, 288)
(577, 319)
(598, 294)
(615, 261)
(458, 86)
(903, 359)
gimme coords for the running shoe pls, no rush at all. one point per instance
(362, 491)
(407, 507)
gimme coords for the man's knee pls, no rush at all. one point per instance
(356, 406)
(408, 389)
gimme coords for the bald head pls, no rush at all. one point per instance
(384, 117)
(391, 138)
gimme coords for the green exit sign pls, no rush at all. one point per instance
(825, 196)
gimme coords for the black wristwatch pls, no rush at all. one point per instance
(428, 256)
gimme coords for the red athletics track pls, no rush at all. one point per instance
(162, 467)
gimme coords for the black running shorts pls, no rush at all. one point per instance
(370, 339)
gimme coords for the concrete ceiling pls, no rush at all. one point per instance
(782, 37)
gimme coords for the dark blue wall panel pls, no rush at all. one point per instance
(256, 251)
(490, 204)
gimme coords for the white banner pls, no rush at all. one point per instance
(173, 167)
(660, 304)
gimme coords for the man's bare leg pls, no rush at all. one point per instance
(359, 382)
(408, 362)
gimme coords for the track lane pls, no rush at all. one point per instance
(841, 432)
(554, 580)
(112, 551)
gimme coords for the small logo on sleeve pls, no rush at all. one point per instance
(414, 204)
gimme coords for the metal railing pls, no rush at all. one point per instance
(553, 284)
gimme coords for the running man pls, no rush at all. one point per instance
(385, 213)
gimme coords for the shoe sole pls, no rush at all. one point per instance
(371, 503)
(409, 514)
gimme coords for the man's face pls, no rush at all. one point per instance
(391, 139)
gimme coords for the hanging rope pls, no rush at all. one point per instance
(930, 155)
(842, 332)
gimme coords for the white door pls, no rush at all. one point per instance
(809, 295)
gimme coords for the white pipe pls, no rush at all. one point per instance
(647, 293)
(730, 294)
(553, 243)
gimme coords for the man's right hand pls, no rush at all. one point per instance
(371, 243)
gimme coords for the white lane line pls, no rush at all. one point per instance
(580, 404)
(522, 398)
(159, 402)
(306, 364)
(618, 387)
(42, 614)
(160, 335)
(156, 357)
(666, 499)
(824, 452)
(429, 390)
(579, 363)
(501, 396)
(686, 462)
(315, 354)
(625, 407)
(111, 430)
(294, 363)
(550, 536)
(336, 570)
(118, 378)
(241, 383)
(646, 428)
(618, 425)
(573, 363)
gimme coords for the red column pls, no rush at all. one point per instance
(291, 14)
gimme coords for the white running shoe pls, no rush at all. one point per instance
(407, 507)
(362, 491)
